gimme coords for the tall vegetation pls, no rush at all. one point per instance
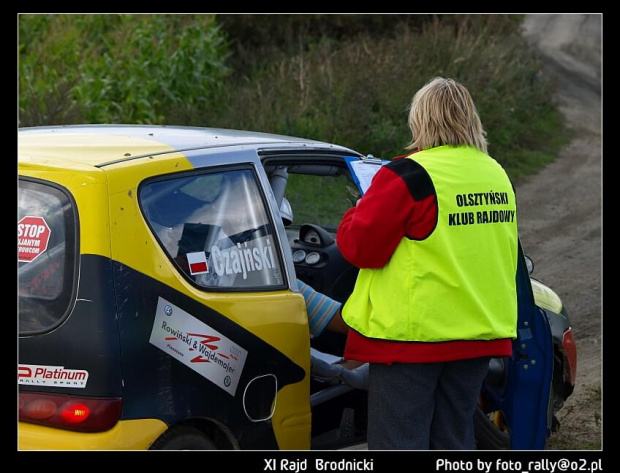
(116, 68)
(355, 91)
(346, 79)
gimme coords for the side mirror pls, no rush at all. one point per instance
(529, 264)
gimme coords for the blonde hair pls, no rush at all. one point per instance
(443, 113)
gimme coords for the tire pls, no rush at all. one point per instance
(488, 435)
(183, 438)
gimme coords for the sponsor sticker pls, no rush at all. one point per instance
(198, 346)
(243, 259)
(197, 263)
(58, 376)
(33, 235)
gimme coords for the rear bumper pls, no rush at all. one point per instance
(125, 435)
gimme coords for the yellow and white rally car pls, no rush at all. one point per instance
(158, 299)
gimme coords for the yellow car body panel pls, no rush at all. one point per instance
(279, 318)
(125, 435)
(88, 148)
(545, 297)
(89, 188)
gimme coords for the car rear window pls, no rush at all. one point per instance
(215, 228)
(46, 249)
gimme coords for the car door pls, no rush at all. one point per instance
(518, 396)
(210, 330)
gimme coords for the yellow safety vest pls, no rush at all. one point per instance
(459, 282)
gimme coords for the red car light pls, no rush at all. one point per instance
(40, 409)
(75, 413)
(69, 412)
(570, 351)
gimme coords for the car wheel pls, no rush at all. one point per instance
(489, 432)
(183, 438)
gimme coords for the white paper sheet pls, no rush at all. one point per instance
(364, 172)
(326, 357)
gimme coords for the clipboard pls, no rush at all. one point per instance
(363, 170)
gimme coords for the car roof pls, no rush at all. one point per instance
(100, 145)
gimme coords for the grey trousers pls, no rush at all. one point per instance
(424, 406)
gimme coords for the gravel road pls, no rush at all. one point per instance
(560, 212)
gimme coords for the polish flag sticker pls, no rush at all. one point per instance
(197, 263)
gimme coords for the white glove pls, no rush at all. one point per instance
(335, 373)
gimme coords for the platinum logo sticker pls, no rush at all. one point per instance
(58, 376)
(198, 346)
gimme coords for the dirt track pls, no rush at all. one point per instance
(560, 212)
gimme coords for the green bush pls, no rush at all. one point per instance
(356, 93)
(116, 68)
(256, 38)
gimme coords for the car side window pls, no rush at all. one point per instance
(47, 255)
(321, 200)
(216, 229)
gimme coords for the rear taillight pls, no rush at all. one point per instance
(570, 352)
(68, 412)
(75, 413)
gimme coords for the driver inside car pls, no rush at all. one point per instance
(324, 313)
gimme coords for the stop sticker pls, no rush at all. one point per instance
(33, 235)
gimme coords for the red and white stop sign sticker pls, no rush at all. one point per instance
(33, 235)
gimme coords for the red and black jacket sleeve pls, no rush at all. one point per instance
(400, 203)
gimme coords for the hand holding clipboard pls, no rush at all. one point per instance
(363, 170)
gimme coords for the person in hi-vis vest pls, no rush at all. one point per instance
(435, 238)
